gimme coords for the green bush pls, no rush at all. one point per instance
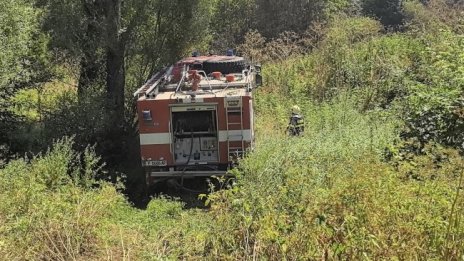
(48, 203)
(52, 208)
(434, 108)
(353, 57)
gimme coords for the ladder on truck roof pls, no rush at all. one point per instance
(153, 83)
(234, 129)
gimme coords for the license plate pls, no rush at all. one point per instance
(154, 163)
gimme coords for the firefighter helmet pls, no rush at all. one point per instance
(296, 109)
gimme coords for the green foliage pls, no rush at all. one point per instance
(160, 32)
(353, 56)
(345, 30)
(389, 12)
(325, 195)
(87, 119)
(350, 188)
(52, 208)
(275, 17)
(434, 108)
(329, 195)
(421, 20)
(231, 20)
(23, 59)
(19, 24)
(45, 203)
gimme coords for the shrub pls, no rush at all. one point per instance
(353, 58)
(52, 208)
(434, 109)
(47, 205)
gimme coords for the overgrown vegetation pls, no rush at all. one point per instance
(332, 195)
(54, 209)
(377, 175)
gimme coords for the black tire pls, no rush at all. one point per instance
(226, 66)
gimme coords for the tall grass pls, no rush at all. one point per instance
(52, 209)
(332, 195)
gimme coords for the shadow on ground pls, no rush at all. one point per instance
(187, 191)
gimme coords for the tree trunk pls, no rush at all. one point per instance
(89, 68)
(91, 62)
(115, 79)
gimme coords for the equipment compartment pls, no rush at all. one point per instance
(195, 136)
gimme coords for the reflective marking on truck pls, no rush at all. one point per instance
(235, 135)
(192, 100)
(192, 108)
(155, 138)
(164, 138)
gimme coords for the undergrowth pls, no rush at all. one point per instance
(53, 209)
(357, 185)
(333, 195)
(338, 192)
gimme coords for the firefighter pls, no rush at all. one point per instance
(296, 124)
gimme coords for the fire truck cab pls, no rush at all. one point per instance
(196, 117)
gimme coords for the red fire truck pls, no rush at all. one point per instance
(196, 116)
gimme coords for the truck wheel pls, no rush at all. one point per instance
(225, 65)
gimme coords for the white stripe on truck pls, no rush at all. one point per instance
(155, 138)
(235, 135)
(164, 138)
